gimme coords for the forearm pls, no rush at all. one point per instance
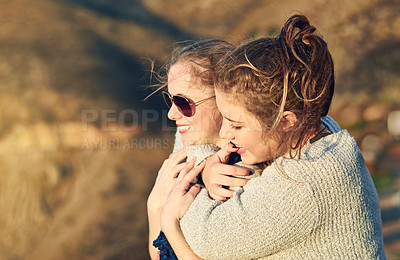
(154, 229)
(178, 243)
(261, 213)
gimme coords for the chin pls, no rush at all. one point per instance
(252, 161)
(249, 161)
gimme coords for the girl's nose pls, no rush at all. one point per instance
(174, 113)
(225, 132)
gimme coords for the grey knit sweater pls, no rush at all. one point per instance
(325, 208)
(200, 151)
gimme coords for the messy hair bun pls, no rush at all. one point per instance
(299, 44)
(291, 72)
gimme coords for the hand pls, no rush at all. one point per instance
(218, 174)
(165, 181)
(180, 198)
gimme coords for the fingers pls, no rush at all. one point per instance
(173, 159)
(173, 173)
(220, 192)
(189, 177)
(216, 197)
(232, 181)
(231, 170)
(223, 154)
(231, 147)
(171, 166)
(194, 190)
(178, 202)
(187, 167)
(177, 157)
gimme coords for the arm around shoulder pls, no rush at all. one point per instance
(270, 209)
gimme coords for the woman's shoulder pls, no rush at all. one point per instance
(331, 124)
(338, 144)
(336, 153)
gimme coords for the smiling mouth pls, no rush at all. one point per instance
(183, 128)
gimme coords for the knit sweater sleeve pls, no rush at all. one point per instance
(267, 215)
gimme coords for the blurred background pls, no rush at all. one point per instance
(80, 149)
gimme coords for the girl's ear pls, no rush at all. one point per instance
(289, 120)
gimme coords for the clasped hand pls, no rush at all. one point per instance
(218, 176)
(167, 177)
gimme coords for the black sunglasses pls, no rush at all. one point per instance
(185, 105)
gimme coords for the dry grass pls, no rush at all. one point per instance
(76, 204)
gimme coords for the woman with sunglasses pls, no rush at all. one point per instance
(191, 102)
(317, 199)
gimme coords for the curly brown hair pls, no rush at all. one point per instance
(291, 72)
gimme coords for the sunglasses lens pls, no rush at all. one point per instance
(183, 105)
(167, 98)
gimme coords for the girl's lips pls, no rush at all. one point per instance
(241, 151)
